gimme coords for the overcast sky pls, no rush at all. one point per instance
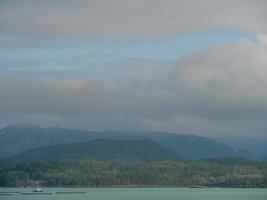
(185, 66)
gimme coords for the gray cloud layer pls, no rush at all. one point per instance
(219, 91)
(34, 22)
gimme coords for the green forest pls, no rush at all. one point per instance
(227, 172)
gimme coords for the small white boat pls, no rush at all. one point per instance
(38, 189)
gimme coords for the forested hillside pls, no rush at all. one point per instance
(228, 172)
(124, 151)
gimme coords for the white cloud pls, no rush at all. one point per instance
(262, 38)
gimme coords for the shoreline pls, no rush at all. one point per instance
(140, 186)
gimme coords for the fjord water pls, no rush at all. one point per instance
(136, 193)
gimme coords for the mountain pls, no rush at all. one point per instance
(246, 153)
(16, 139)
(256, 147)
(103, 150)
(190, 146)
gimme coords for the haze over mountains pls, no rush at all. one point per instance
(34, 142)
(256, 146)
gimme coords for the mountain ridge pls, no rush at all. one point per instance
(130, 151)
(16, 139)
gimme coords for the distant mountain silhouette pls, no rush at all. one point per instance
(17, 139)
(257, 147)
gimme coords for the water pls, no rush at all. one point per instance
(136, 194)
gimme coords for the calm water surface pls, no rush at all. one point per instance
(136, 194)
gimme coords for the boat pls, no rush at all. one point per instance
(38, 189)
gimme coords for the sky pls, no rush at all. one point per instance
(183, 66)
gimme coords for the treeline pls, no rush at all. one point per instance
(228, 172)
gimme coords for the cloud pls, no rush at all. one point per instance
(218, 91)
(227, 79)
(75, 103)
(34, 22)
(22, 64)
(223, 87)
(262, 38)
